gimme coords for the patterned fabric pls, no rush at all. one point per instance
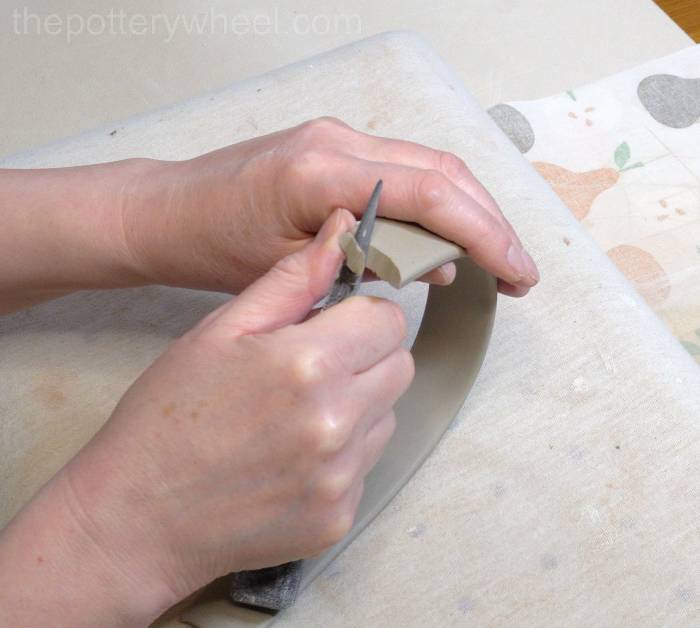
(624, 155)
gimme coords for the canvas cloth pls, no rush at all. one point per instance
(566, 493)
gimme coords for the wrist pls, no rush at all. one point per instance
(63, 231)
(181, 229)
(124, 185)
(50, 547)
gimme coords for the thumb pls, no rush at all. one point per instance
(288, 291)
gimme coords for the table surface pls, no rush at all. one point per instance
(71, 67)
(686, 13)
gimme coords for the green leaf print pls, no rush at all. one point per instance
(639, 164)
(691, 347)
(622, 155)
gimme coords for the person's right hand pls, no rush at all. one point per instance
(246, 443)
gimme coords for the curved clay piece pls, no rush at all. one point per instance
(515, 125)
(448, 353)
(399, 252)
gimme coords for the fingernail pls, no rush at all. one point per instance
(516, 262)
(531, 267)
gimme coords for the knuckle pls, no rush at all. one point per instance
(452, 165)
(456, 168)
(332, 486)
(303, 164)
(432, 188)
(485, 229)
(337, 528)
(289, 268)
(320, 132)
(324, 125)
(307, 369)
(327, 433)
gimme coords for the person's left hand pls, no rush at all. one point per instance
(221, 220)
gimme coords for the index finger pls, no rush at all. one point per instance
(431, 199)
(359, 332)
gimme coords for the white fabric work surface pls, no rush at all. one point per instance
(565, 495)
(55, 82)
